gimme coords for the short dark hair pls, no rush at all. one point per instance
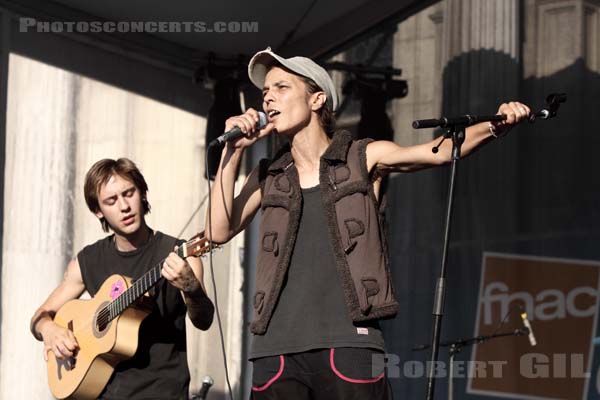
(101, 172)
(326, 115)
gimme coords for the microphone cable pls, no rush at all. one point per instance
(212, 275)
(189, 221)
(501, 323)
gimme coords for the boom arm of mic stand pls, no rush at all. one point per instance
(462, 120)
(454, 124)
(474, 340)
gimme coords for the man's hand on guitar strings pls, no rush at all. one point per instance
(61, 341)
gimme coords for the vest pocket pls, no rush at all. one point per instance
(270, 243)
(371, 288)
(282, 183)
(338, 174)
(354, 228)
(259, 301)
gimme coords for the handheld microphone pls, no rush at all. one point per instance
(235, 132)
(207, 382)
(527, 325)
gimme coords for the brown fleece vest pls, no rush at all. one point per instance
(354, 225)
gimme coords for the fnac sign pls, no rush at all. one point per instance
(560, 297)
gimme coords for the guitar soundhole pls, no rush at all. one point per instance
(101, 324)
(101, 320)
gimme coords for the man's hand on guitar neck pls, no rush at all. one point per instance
(61, 341)
(188, 276)
(179, 273)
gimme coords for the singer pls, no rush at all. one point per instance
(322, 281)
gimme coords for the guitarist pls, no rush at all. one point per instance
(116, 192)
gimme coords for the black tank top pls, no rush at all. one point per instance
(311, 312)
(159, 369)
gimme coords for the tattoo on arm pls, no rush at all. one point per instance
(199, 308)
(190, 284)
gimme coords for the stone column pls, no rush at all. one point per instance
(38, 197)
(480, 54)
(417, 51)
(559, 32)
(482, 69)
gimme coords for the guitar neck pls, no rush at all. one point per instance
(194, 247)
(139, 287)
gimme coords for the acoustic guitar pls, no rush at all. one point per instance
(106, 328)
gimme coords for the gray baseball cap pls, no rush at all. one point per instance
(263, 60)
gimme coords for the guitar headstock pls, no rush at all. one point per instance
(196, 246)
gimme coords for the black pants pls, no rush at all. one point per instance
(324, 374)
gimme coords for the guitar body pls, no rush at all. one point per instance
(85, 375)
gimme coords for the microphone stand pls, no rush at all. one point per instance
(457, 134)
(456, 131)
(456, 346)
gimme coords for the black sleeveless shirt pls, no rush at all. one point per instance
(311, 312)
(159, 369)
